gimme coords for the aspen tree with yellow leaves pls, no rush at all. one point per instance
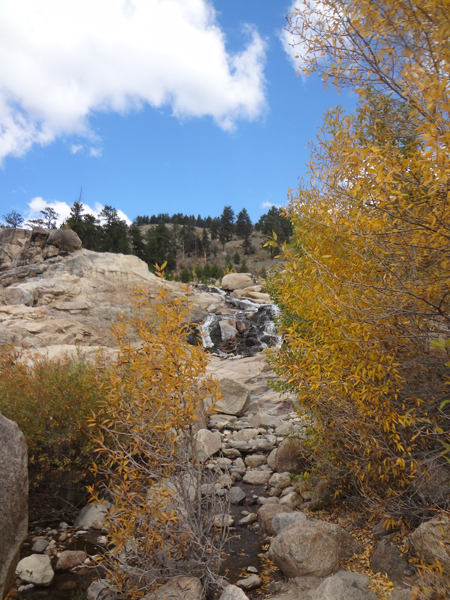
(162, 523)
(366, 289)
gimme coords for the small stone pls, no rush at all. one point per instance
(257, 477)
(239, 464)
(70, 559)
(231, 452)
(252, 569)
(237, 494)
(255, 460)
(288, 490)
(271, 459)
(223, 520)
(63, 537)
(273, 500)
(249, 583)
(293, 500)
(281, 480)
(40, 546)
(274, 491)
(25, 588)
(63, 525)
(251, 518)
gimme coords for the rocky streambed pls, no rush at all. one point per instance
(275, 548)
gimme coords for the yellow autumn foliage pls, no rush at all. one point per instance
(161, 522)
(366, 287)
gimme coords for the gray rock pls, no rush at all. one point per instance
(249, 583)
(282, 520)
(255, 460)
(36, 569)
(336, 588)
(289, 457)
(245, 434)
(92, 516)
(70, 559)
(236, 281)
(39, 546)
(267, 512)
(232, 592)
(293, 500)
(382, 529)
(271, 500)
(431, 541)
(281, 480)
(387, 559)
(13, 499)
(207, 444)
(239, 445)
(251, 518)
(64, 239)
(257, 477)
(236, 397)
(237, 494)
(239, 464)
(100, 589)
(227, 331)
(177, 588)
(271, 459)
(312, 547)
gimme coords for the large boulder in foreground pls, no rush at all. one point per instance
(312, 548)
(13, 499)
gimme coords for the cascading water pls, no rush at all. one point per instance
(245, 331)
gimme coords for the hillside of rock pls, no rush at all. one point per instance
(53, 295)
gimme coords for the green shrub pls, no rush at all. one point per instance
(185, 276)
(50, 400)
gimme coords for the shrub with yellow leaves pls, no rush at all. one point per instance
(161, 523)
(366, 287)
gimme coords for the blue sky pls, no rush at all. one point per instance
(152, 106)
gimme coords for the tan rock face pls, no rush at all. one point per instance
(73, 300)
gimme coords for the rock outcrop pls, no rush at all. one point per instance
(13, 499)
(53, 298)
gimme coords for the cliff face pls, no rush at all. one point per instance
(54, 293)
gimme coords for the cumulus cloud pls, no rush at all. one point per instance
(290, 43)
(74, 148)
(96, 152)
(294, 47)
(268, 204)
(62, 61)
(63, 209)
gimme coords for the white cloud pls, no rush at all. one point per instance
(318, 14)
(62, 61)
(268, 204)
(290, 44)
(74, 148)
(96, 152)
(63, 209)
